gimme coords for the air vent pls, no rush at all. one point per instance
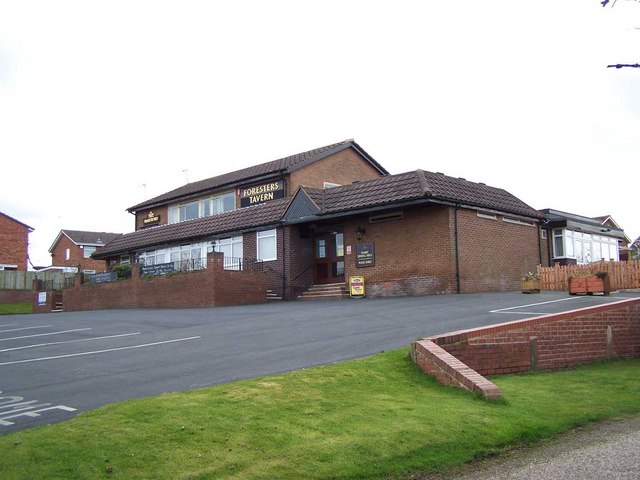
(386, 217)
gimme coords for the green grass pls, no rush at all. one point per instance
(372, 418)
(13, 308)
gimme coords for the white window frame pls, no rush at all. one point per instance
(264, 235)
(487, 216)
(67, 254)
(236, 245)
(91, 249)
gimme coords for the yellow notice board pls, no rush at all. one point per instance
(356, 286)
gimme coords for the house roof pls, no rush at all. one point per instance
(17, 221)
(388, 191)
(81, 237)
(229, 222)
(282, 165)
(417, 185)
(559, 219)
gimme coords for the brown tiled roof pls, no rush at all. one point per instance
(285, 165)
(417, 185)
(228, 222)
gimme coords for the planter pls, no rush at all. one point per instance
(530, 286)
(589, 285)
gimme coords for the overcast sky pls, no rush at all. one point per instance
(105, 104)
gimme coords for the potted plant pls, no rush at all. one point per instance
(590, 283)
(530, 283)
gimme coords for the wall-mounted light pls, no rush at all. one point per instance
(360, 232)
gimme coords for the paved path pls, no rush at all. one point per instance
(605, 450)
(53, 366)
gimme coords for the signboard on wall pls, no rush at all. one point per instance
(151, 219)
(157, 269)
(262, 193)
(365, 254)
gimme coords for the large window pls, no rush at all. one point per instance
(203, 207)
(88, 251)
(232, 248)
(267, 249)
(224, 203)
(584, 247)
(184, 257)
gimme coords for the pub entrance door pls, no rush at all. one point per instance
(328, 265)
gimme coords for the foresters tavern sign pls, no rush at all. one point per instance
(261, 193)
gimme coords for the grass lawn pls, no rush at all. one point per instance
(12, 308)
(372, 418)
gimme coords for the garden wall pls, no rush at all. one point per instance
(549, 342)
(213, 286)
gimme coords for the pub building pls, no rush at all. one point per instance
(322, 216)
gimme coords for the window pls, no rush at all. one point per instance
(232, 248)
(517, 221)
(330, 185)
(189, 211)
(488, 216)
(266, 241)
(67, 254)
(88, 251)
(558, 243)
(125, 259)
(224, 203)
(543, 234)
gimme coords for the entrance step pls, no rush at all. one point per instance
(271, 295)
(332, 291)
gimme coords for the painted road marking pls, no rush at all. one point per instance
(44, 334)
(504, 310)
(95, 352)
(25, 328)
(12, 407)
(68, 341)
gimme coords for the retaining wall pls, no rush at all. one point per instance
(549, 342)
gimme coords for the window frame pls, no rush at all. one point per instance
(263, 235)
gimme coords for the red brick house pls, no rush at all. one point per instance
(73, 249)
(324, 215)
(14, 243)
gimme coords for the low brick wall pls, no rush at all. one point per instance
(549, 342)
(210, 287)
(16, 296)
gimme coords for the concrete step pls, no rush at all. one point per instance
(334, 291)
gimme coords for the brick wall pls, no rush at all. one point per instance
(494, 254)
(550, 342)
(213, 286)
(14, 242)
(76, 257)
(341, 168)
(413, 255)
(16, 296)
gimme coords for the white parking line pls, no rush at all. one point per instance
(99, 351)
(502, 310)
(44, 334)
(24, 328)
(68, 341)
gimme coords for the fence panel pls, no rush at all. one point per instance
(622, 275)
(16, 280)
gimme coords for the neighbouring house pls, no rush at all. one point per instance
(72, 249)
(575, 239)
(14, 243)
(624, 250)
(635, 249)
(322, 216)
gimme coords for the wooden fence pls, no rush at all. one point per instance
(622, 275)
(19, 280)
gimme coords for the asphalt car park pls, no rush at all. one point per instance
(54, 366)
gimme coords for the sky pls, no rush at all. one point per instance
(106, 104)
